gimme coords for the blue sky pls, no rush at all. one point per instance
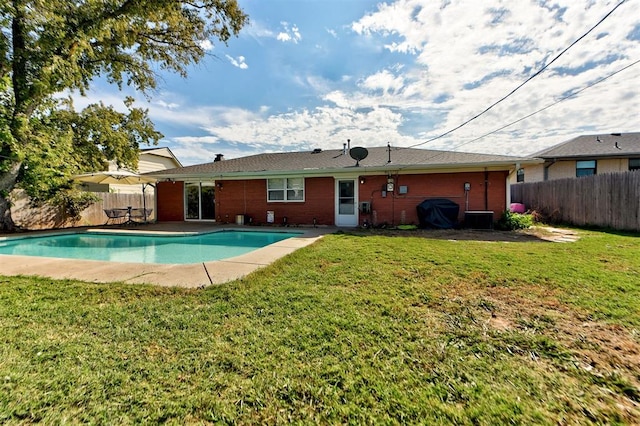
(310, 74)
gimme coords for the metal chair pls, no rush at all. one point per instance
(139, 215)
(116, 216)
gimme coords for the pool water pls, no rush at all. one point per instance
(144, 248)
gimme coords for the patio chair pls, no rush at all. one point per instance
(139, 215)
(115, 216)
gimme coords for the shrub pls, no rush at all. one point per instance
(511, 221)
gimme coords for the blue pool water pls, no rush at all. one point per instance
(144, 248)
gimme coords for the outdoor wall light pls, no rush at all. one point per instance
(362, 180)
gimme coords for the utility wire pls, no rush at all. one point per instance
(562, 99)
(540, 71)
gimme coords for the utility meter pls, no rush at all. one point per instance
(390, 184)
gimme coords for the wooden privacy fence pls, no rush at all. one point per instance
(608, 200)
(49, 217)
(95, 215)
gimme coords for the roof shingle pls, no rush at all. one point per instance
(337, 160)
(595, 146)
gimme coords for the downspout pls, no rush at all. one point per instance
(508, 183)
(547, 164)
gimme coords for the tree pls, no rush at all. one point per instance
(49, 47)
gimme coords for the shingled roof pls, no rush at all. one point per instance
(319, 161)
(608, 145)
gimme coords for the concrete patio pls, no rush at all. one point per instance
(171, 275)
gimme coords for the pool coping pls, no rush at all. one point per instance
(170, 275)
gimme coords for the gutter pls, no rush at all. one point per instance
(362, 170)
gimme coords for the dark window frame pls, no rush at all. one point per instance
(586, 170)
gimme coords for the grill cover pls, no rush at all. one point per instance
(440, 213)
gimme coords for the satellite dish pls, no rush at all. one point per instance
(358, 153)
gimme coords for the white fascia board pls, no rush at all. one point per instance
(354, 171)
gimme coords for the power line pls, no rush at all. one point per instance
(562, 99)
(540, 71)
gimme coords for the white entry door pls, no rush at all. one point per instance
(346, 202)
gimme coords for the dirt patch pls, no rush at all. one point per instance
(610, 353)
(533, 234)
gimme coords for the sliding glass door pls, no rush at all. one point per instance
(199, 201)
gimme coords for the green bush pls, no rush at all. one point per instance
(511, 221)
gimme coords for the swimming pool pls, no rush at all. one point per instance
(144, 248)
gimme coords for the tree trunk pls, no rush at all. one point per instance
(7, 183)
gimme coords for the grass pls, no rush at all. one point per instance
(357, 328)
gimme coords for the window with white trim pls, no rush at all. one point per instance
(285, 189)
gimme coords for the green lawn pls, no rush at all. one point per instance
(357, 328)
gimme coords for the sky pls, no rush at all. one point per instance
(306, 74)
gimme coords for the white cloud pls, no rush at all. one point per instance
(384, 81)
(427, 67)
(258, 30)
(192, 153)
(469, 55)
(206, 45)
(284, 37)
(167, 105)
(322, 127)
(188, 140)
(238, 62)
(289, 33)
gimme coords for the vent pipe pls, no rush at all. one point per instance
(219, 157)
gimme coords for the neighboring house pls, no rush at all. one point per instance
(150, 160)
(329, 187)
(584, 156)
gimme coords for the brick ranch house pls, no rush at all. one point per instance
(329, 187)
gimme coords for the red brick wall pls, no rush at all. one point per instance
(170, 200)
(396, 209)
(249, 197)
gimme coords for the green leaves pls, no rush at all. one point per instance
(65, 142)
(48, 47)
(65, 44)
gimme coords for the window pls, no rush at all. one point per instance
(585, 168)
(520, 175)
(285, 189)
(634, 164)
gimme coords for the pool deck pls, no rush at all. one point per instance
(174, 275)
